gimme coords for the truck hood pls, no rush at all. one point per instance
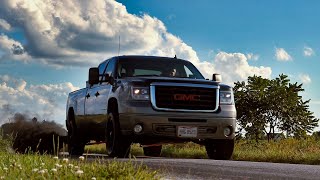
(146, 81)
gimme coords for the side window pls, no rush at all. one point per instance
(189, 74)
(110, 68)
(102, 67)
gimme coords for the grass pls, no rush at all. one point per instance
(283, 151)
(48, 167)
(36, 166)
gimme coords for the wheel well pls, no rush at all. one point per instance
(112, 105)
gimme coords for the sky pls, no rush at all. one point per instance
(47, 46)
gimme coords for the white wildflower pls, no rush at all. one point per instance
(58, 165)
(81, 158)
(65, 160)
(54, 170)
(42, 171)
(35, 170)
(42, 164)
(79, 172)
(70, 166)
(56, 157)
(93, 178)
(76, 167)
(2, 177)
(5, 169)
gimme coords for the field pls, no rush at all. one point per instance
(35, 166)
(282, 151)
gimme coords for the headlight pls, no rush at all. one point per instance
(226, 97)
(140, 93)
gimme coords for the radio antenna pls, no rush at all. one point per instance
(119, 46)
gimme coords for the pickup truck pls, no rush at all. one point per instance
(152, 101)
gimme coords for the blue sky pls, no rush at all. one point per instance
(60, 42)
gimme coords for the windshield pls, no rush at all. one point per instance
(134, 67)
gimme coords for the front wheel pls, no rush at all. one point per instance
(75, 144)
(152, 151)
(116, 144)
(220, 149)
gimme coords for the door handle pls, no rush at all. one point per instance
(97, 94)
(88, 95)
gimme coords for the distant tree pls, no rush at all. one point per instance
(264, 105)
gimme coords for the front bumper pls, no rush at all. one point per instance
(164, 127)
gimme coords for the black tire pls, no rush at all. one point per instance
(116, 144)
(152, 151)
(75, 144)
(220, 149)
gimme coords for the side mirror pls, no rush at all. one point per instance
(93, 76)
(216, 77)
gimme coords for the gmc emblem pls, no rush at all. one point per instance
(186, 97)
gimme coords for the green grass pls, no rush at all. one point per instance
(14, 166)
(36, 166)
(283, 151)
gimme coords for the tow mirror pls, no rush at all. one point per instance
(93, 76)
(216, 77)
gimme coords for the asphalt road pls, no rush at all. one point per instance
(214, 169)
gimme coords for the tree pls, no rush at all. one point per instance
(264, 105)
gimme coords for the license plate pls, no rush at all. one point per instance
(187, 131)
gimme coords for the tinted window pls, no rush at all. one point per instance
(102, 67)
(110, 67)
(132, 67)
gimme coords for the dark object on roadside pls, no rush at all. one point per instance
(33, 136)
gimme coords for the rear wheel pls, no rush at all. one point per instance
(220, 149)
(117, 145)
(152, 151)
(75, 144)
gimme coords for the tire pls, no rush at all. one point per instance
(116, 144)
(75, 144)
(152, 151)
(220, 149)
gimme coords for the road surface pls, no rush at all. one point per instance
(216, 169)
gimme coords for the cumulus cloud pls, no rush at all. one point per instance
(12, 50)
(42, 101)
(308, 51)
(251, 56)
(85, 32)
(305, 78)
(235, 67)
(282, 55)
(82, 33)
(4, 25)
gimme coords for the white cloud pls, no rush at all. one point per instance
(308, 51)
(251, 56)
(86, 32)
(282, 55)
(4, 25)
(81, 33)
(235, 67)
(42, 101)
(305, 78)
(12, 50)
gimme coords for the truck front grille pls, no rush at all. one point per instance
(186, 97)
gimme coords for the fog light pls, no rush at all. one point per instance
(227, 131)
(137, 128)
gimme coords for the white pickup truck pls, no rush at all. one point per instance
(152, 101)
